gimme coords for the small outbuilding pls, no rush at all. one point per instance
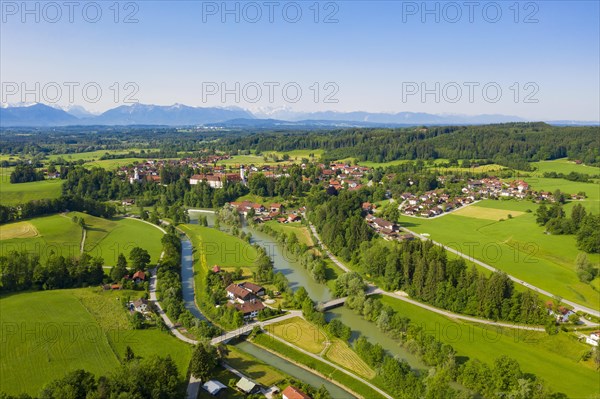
(213, 387)
(247, 386)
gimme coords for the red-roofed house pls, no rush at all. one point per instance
(139, 276)
(235, 291)
(292, 392)
(249, 309)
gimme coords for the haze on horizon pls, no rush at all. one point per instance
(342, 56)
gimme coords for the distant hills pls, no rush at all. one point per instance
(41, 115)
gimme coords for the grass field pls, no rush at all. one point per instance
(253, 368)
(47, 334)
(14, 194)
(340, 353)
(213, 247)
(301, 333)
(220, 248)
(435, 165)
(556, 358)
(592, 191)
(111, 164)
(299, 230)
(486, 213)
(311, 338)
(105, 238)
(56, 233)
(18, 230)
(517, 246)
(564, 166)
(108, 238)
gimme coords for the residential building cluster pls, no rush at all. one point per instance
(245, 297)
(261, 213)
(342, 175)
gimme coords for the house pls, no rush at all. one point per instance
(247, 386)
(276, 208)
(253, 288)
(236, 292)
(367, 206)
(216, 269)
(593, 339)
(250, 309)
(213, 387)
(140, 305)
(384, 224)
(292, 392)
(294, 218)
(128, 202)
(139, 277)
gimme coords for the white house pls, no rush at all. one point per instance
(593, 338)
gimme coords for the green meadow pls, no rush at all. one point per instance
(47, 334)
(517, 246)
(220, 248)
(14, 194)
(55, 233)
(214, 247)
(555, 359)
(591, 190)
(108, 238)
(105, 238)
(564, 166)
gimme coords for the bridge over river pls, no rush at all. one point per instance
(334, 303)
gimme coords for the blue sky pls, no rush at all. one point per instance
(378, 56)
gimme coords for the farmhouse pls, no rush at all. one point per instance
(237, 292)
(380, 224)
(253, 288)
(140, 305)
(139, 277)
(250, 309)
(292, 392)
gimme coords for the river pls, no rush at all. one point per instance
(298, 276)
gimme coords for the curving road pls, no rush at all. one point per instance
(575, 306)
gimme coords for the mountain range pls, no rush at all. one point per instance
(41, 115)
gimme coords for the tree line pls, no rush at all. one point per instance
(135, 378)
(511, 144)
(25, 173)
(48, 206)
(22, 270)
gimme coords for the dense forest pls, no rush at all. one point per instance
(511, 145)
(419, 268)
